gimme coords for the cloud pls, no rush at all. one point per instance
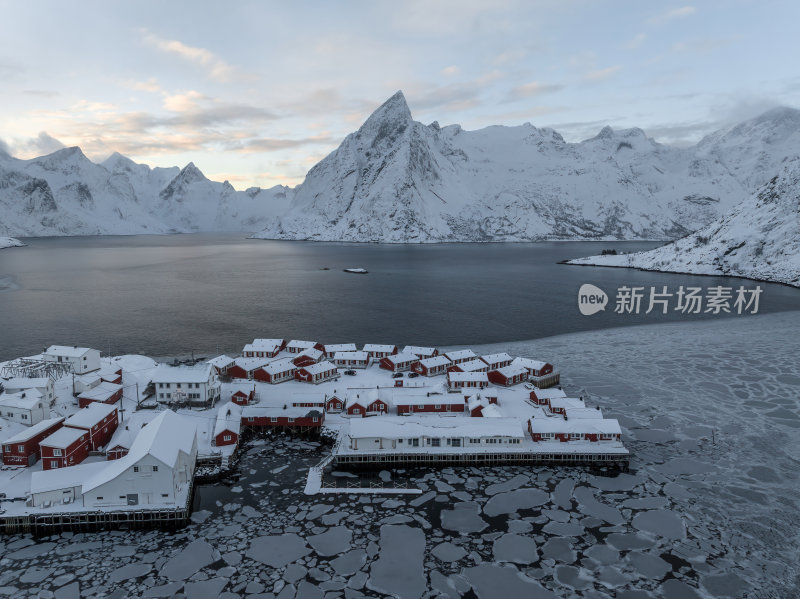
(704, 45)
(4, 147)
(31, 147)
(216, 68)
(601, 74)
(534, 88)
(273, 144)
(637, 41)
(151, 85)
(41, 93)
(185, 102)
(675, 13)
(450, 71)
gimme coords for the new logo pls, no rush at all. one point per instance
(591, 299)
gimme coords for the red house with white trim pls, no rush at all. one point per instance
(22, 449)
(457, 381)
(475, 365)
(508, 376)
(308, 357)
(282, 418)
(431, 366)
(221, 364)
(460, 355)
(330, 349)
(107, 393)
(355, 406)
(65, 447)
(398, 362)
(99, 420)
(277, 371)
(297, 346)
(351, 359)
(263, 348)
(228, 425)
(377, 351)
(244, 397)
(245, 368)
(316, 373)
(334, 405)
(542, 397)
(497, 361)
(421, 352)
(425, 404)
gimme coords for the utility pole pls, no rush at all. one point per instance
(138, 401)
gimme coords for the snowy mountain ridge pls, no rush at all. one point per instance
(64, 193)
(399, 181)
(758, 239)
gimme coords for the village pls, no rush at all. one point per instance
(91, 440)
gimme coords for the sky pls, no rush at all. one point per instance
(259, 92)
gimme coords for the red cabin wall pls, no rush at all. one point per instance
(73, 455)
(237, 372)
(219, 440)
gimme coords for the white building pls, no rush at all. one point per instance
(26, 407)
(158, 470)
(411, 433)
(81, 359)
(43, 385)
(195, 385)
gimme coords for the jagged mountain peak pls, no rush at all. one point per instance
(387, 122)
(191, 174)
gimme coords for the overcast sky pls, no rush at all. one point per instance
(258, 92)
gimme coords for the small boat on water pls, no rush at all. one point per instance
(356, 271)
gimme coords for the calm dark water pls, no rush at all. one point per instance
(171, 295)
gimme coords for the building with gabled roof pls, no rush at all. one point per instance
(26, 407)
(22, 449)
(80, 359)
(99, 420)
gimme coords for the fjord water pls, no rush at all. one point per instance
(209, 293)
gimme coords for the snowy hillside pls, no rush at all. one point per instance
(397, 180)
(64, 193)
(759, 238)
(9, 242)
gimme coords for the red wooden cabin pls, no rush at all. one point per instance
(65, 447)
(22, 449)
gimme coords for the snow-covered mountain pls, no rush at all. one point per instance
(64, 193)
(397, 180)
(758, 239)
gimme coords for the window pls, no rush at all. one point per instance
(291, 419)
(356, 411)
(122, 496)
(413, 442)
(161, 385)
(474, 441)
(315, 419)
(226, 438)
(99, 499)
(436, 442)
(155, 468)
(273, 419)
(24, 416)
(20, 448)
(136, 468)
(54, 463)
(56, 452)
(165, 495)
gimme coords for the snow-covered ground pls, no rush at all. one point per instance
(709, 509)
(9, 242)
(758, 239)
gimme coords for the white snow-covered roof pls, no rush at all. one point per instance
(512, 371)
(528, 363)
(90, 415)
(64, 437)
(319, 367)
(249, 364)
(265, 343)
(495, 358)
(584, 413)
(164, 438)
(128, 430)
(182, 374)
(427, 400)
(24, 400)
(419, 351)
(229, 418)
(377, 347)
(278, 366)
(336, 347)
(492, 411)
(460, 354)
(102, 392)
(299, 344)
(472, 365)
(362, 397)
(402, 358)
(311, 352)
(68, 351)
(566, 402)
(468, 377)
(19, 383)
(221, 361)
(359, 356)
(434, 361)
(32, 431)
(549, 393)
(308, 398)
(603, 426)
(64, 478)
(399, 427)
